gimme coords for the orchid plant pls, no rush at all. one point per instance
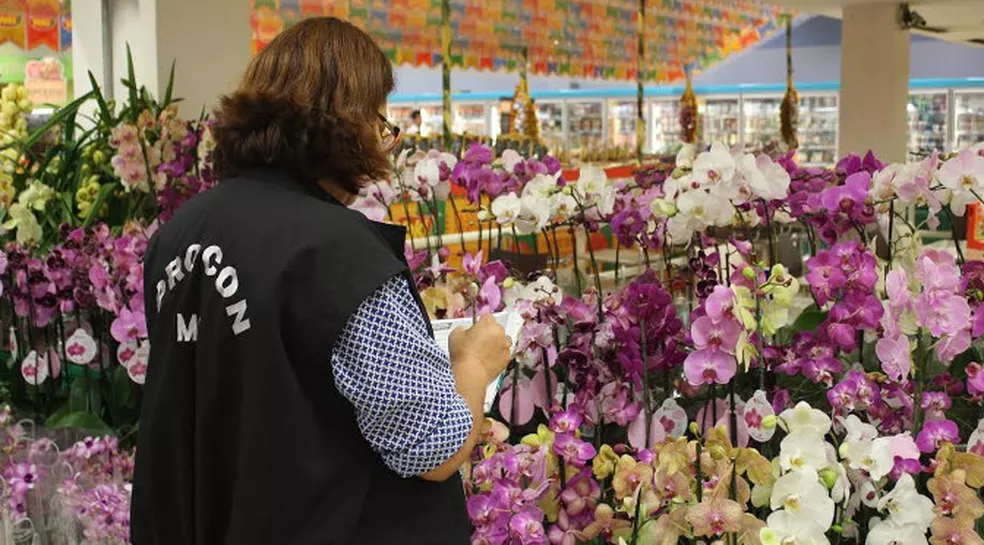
(79, 199)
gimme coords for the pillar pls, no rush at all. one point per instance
(208, 41)
(874, 82)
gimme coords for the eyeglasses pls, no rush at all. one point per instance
(389, 135)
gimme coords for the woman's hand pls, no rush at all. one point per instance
(484, 344)
(478, 354)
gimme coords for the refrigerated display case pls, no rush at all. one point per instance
(760, 121)
(621, 124)
(401, 115)
(470, 119)
(664, 123)
(927, 113)
(586, 125)
(433, 120)
(551, 116)
(968, 118)
(719, 121)
(817, 130)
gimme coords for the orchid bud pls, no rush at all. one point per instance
(748, 273)
(694, 429)
(485, 215)
(829, 477)
(508, 282)
(837, 529)
(769, 422)
(842, 450)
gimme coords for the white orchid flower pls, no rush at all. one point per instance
(803, 496)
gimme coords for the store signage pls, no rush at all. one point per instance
(45, 82)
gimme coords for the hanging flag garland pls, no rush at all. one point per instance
(578, 38)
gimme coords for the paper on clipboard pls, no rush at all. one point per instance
(511, 321)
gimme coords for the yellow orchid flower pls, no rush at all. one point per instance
(542, 437)
(604, 463)
(22, 219)
(745, 307)
(779, 295)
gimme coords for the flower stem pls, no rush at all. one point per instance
(457, 220)
(577, 273)
(953, 233)
(618, 251)
(698, 470)
(891, 239)
(406, 215)
(768, 230)
(645, 379)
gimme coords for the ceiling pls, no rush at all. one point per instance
(960, 21)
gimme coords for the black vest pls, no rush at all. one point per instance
(243, 437)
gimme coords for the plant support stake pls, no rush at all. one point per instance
(446, 72)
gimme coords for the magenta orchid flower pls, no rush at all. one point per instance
(975, 378)
(942, 313)
(129, 326)
(936, 432)
(709, 366)
(567, 421)
(715, 335)
(573, 450)
(895, 355)
(22, 477)
(489, 297)
(472, 264)
(526, 527)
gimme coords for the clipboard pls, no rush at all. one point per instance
(510, 320)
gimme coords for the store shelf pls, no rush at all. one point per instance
(927, 120)
(943, 115)
(665, 120)
(471, 119)
(817, 130)
(969, 119)
(621, 124)
(761, 122)
(551, 116)
(586, 125)
(719, 121)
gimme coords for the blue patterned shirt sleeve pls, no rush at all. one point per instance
(400, 382)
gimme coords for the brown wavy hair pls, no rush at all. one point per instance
(309, 103)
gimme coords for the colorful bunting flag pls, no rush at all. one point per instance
(584, 38)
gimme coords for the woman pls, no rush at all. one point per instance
(295, 394)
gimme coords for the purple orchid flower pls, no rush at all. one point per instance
(936, 432)
(573, 450)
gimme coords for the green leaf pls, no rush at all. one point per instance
(78, 395)
(63, 113)
(121, 387)
(810, 319)
(104, 191)
(170, 88)
(104, 112)
(79, 420)
(132, 85)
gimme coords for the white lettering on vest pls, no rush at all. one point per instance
(207, 256)
(227, 282)
(161, 290)
(226, 286)
(240, 323)
(174, 272)
(187, 331)
(191, 254)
